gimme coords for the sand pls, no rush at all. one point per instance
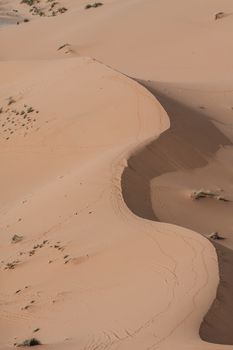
(111, 118)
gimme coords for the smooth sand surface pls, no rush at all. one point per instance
(110, 118)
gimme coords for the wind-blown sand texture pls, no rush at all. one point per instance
(110, 119)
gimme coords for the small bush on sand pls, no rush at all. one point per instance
(215, 236)
(29, 2)
(62, 9)
(62, 46)
(16, 239)
(202, 194)
(219, 15)
(11, 100)
(208, 194)
(96, 4)
(30, 110)
(30, 342)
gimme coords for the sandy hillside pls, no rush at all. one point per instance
(111, 118)
(87, 270)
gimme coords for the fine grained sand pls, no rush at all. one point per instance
(185, 141)
(84, 148)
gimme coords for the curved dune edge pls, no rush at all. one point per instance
(129, 283)
(183, 146)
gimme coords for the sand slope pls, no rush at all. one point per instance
(89, 273)
(126, 281)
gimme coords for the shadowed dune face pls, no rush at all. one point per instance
(191, 142)
(217, 324)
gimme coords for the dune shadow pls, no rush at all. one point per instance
(217, 324)
(190, 142)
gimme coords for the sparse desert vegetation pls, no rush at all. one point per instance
(24, 255)
(62, 47)
(11, 265)
(208, 194)
(16, 238)
(219, 15)
(44, 8)
(16, 119)
(11, 101)
(96, 4)
(29, 342)
(215, 236)
(30, 2)
(36, 330)
(68, 48)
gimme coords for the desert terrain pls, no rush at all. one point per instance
(116, 131)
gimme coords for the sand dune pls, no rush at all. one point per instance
(97, 172)
(121, 283)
